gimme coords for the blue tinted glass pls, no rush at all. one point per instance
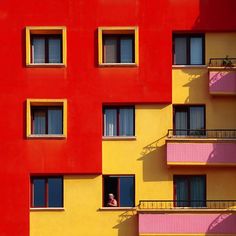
(126, 191)
(55, 192)
(55, 121)
(126, 50)
(39, 192)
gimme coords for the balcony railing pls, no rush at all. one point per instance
(202, 133)
(179, 204)
(222, 62)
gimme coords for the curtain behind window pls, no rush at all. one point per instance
(110, 122)
(198, 191)
(126, 191)
(180, 57)
(54, 47)
(39, 122)
(110, 50)
(181, 186)
(38, 50)
(126, 122)
(54, 121)
(181, 121)
(196, 51)
(126, 50)
(197, 122)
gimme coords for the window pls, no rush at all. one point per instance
(118, 121)
(46, 191)
(45, 46)
(122, 187)
(118, 45)
(190, 191)
(189, 120)
(46, 118)
(188, 49)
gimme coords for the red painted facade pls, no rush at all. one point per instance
(85, 85)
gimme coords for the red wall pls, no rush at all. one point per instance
(82, 82)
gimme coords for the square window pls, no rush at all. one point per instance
(46, 118)
(122, 188)
(189, 120)
(190, 190)
(118, 46)
(118, 121)
(188, 49)
(46, 191)
(45, 46)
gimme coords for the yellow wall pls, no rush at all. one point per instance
(220, 45)
(146, 158)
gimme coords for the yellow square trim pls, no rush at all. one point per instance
(118, 30)
(46, 102)
(45, 30)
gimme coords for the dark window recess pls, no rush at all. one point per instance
(46, 49)
(47, 192)
(190, 191)
(188, 49)
(118, 121)
(122, 187)
(118, 49)
(47, 120)
(189, 120)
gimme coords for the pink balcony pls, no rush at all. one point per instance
(187, 224)
(210, 147)
(222, 76)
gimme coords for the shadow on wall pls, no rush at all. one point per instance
(127, 224)
(196, 81)
(153, 157)
(216, 13)
(223, 224)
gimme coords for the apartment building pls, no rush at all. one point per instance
(131, 99)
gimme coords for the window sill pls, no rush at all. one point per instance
(188, 66)
(117, 208)
(47, 209)
(46, 65)
(107, 138)
(43, 136)
(118, 65)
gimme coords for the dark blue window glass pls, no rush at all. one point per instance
(39, 194)
(55, 192)
(127, 191)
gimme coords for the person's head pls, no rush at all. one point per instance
(111, 196)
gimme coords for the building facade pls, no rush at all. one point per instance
(130, 98)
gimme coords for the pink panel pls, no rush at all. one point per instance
(201, 152)
(187, 223)
(222, 81)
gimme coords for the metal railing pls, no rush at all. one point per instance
(202, 133)
(179, 204)
(222, 62)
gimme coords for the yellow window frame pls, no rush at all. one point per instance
(118, 30)
(31, 30)
(46, 102)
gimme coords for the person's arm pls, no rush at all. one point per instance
(113, 203)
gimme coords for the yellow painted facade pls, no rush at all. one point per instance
(145, 157)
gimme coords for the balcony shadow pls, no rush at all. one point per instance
(153, 157)
(223, 224)
(127, 224)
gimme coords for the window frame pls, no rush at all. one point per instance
(45, 178)
(118, 189)
(188, 178)
(31, 103)
(118, 108)
(188, 37)
(59, 31)
(102, 31)
(187, 108)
